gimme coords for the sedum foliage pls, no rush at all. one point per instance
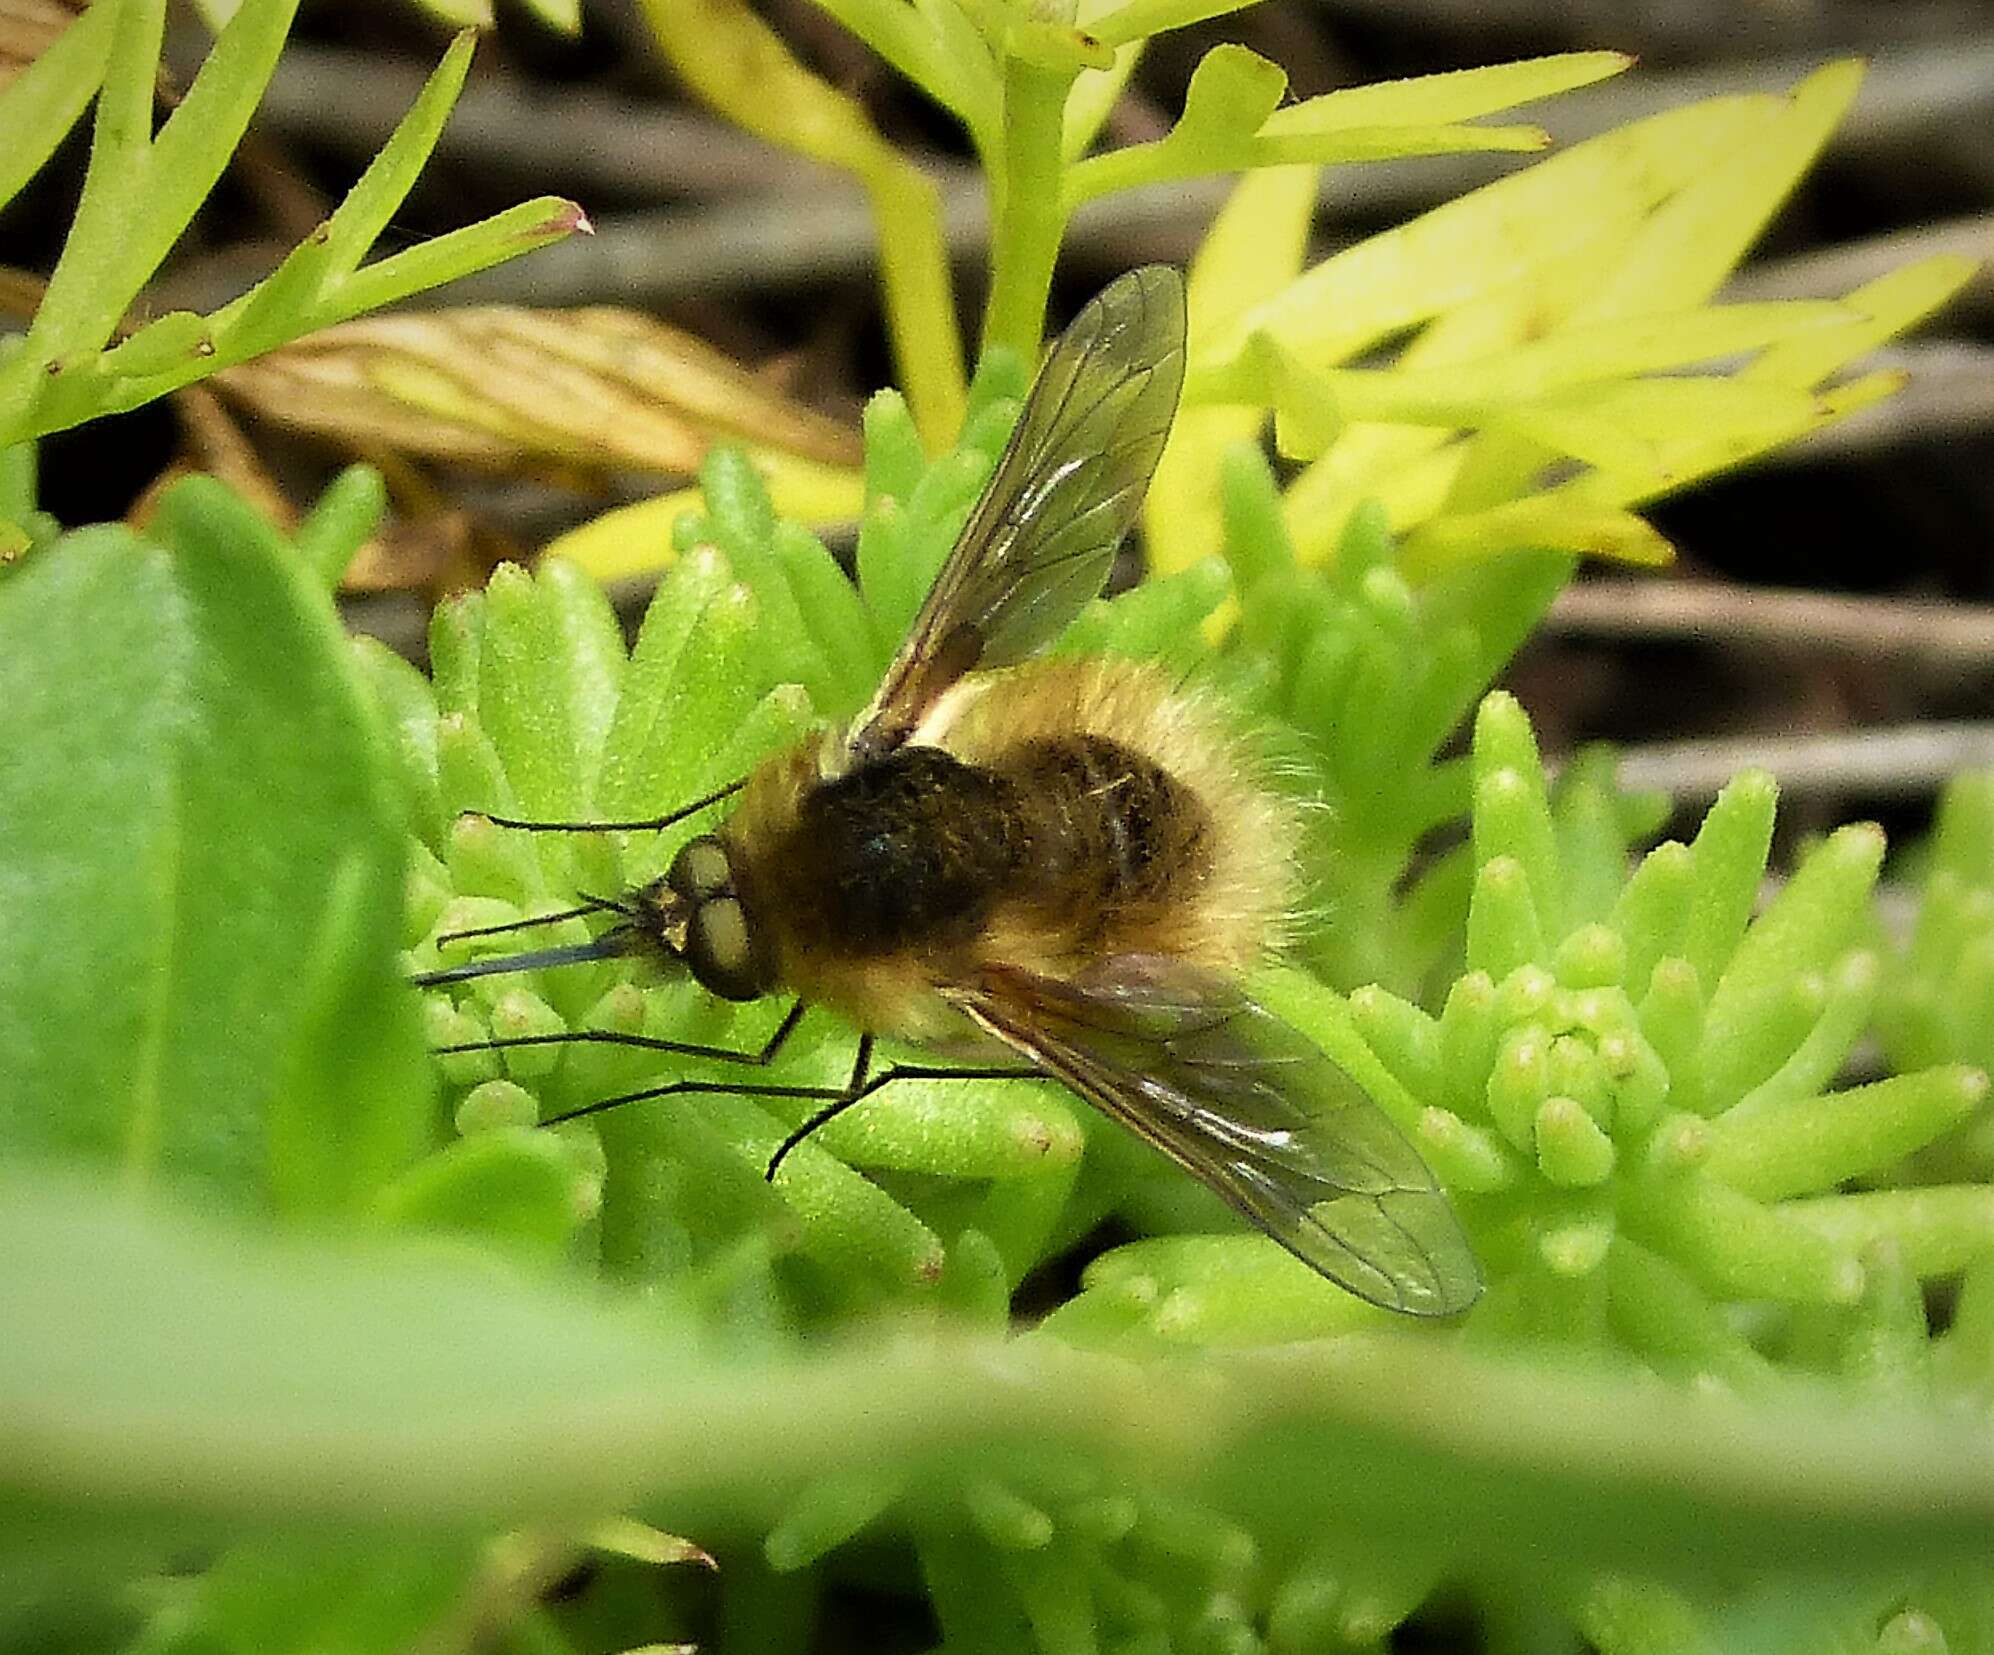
(1703, 1372)
(417, 1359)
(1935, 1006)
(1627, 1079)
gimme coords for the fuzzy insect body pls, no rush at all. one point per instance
(1064, 862)
(1044, 819)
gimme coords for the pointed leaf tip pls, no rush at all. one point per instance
(567, 219)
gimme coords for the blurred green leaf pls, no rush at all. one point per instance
(205, 860)
(157, 1363)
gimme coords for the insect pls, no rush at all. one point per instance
(1062, 864)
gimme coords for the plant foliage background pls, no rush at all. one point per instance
(314, 1341)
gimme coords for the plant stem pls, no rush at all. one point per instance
(1030, 214)
(17, 482)
(920, 300)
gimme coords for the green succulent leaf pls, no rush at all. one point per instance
(162, 1357)
(206, 869)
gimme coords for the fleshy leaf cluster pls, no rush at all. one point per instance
(1631, 1088)
(484, 1324)
(1939, 1004)
(1628, 1080)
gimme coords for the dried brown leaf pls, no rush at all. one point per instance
(504, 388)
(28, 28)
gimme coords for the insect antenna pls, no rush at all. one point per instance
(589, 905)
(644, 825)
(617, 940)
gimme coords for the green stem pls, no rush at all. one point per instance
(17, 482)
(1030, 211)
(920, 300)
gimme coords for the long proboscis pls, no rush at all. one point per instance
(610, 945)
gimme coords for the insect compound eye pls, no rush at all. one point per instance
(720, 949)
(701, 870)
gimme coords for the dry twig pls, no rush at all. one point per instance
(1910, 761)
(1952, 636)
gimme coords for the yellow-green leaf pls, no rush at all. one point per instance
(637, 539)
(1231, 121)
(1255, 247)
(1346, 145)
(1693, 458)
(1549, 521)
(742, 68)
(1583, 354)
(1232, 92)
(1139, 19)
(1407, 469)
(1617, 423)
(564, 15)
(1442, 100)
(1592, 197)
(1094, 95)
(1691, 244)
(1879, 310)
(1638, 425)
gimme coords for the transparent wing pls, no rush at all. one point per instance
(1039, 543)
(1252, 1108)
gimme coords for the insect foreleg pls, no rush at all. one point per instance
(855, 1088)
(642, 825)
(643, 1042)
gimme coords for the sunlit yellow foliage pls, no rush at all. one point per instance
(1525, 350)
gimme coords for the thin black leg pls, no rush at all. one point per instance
(642, 1042)
(685, 1088)
(855, 1088)
(858, 1089)
(643, 825)
(833, 1101)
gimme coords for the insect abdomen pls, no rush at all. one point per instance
(1110, 833)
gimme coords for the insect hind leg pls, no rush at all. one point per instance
(859, 1088)
(832, 1101)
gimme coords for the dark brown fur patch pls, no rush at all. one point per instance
(1110, 832)
(909, 851)
(1046, 817)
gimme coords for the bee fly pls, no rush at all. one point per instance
(1059, 861)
